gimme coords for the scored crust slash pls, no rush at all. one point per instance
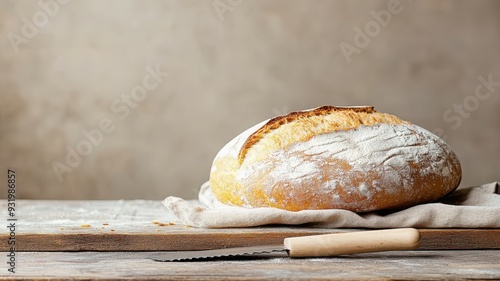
(352, 158)
(276, 122)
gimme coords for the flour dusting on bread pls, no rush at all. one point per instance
(356, 159)
(301, 126)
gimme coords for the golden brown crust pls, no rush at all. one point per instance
(354, 114)
(334, 158)
(277, 121)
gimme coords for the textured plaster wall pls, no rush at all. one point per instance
(222, 66)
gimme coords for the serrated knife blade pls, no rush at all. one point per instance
(274, 250)
(324, 245)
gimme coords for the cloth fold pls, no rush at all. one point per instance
(474, 207)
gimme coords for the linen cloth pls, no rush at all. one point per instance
(474, 207)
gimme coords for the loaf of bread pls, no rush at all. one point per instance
(352, 158)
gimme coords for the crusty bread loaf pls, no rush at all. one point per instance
(352, 158)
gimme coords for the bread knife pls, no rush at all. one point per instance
(324, 245)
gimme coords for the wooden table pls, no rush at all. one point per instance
(114, 240)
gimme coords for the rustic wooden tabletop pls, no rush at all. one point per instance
(115, 240)
(428, 265)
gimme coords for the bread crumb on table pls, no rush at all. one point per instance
(162, 224)
(61, 228)
(85, 225)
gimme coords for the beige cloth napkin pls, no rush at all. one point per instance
(474, 207)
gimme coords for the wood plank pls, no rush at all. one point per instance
(416, 265)
(128, 226)
(178, 238)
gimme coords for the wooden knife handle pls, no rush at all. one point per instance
(353, 242)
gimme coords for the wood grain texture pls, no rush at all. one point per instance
(421, 265)
(129, 226)
(327, 245)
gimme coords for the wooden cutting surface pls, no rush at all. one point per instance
(139, 225)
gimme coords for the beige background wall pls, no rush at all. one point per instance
(226, 72)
